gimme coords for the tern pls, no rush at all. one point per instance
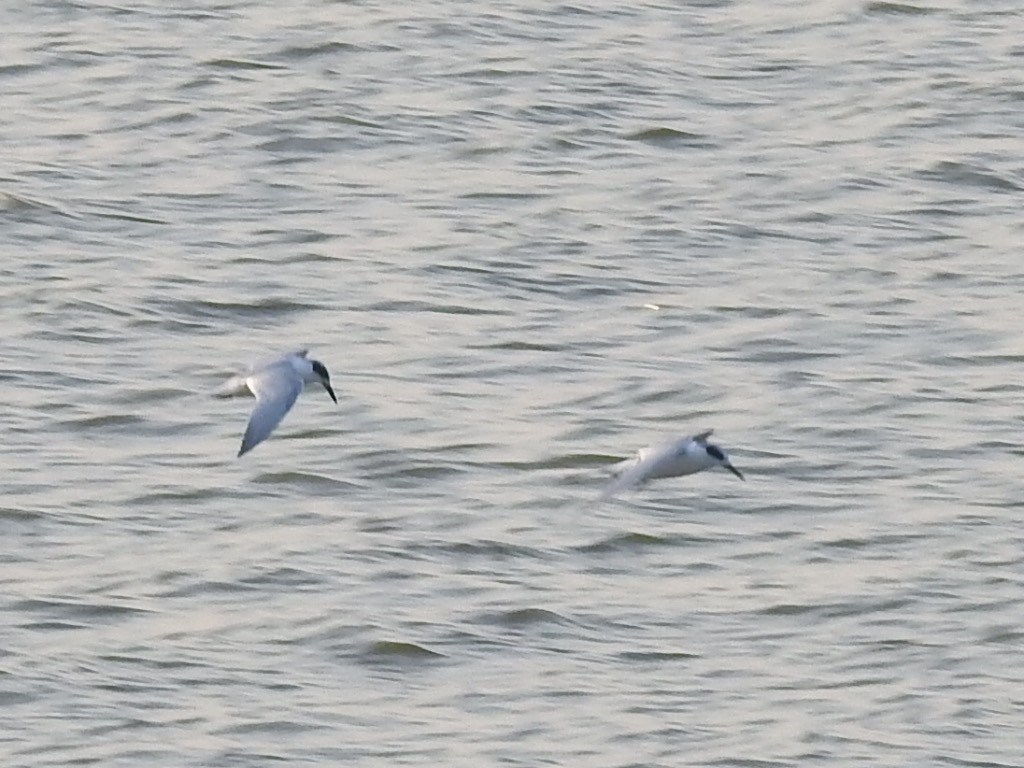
(276, 385)
(674, 458)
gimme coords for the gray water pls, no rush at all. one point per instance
(526, 240)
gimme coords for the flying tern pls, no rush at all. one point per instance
(276, 385)
(674, 458)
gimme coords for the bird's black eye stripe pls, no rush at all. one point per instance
(320, 369)
(715, 452)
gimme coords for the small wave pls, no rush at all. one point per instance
(790, 609)
(300, 52)
(520, 346)
(133, 217)
(521, 617)
(386, 650)
(206, 588)
(62, 610)
(25, 207)
(114, 421)
(179, 496)
(264, 727)
(662, 136)
(195, 311)
(20, 515)
(495, 550)
(284, 576)
(634, 540)
(569, 461)
(624, 542)
(502, 196)
(411, 305)
(897, 9)
(154, 395)
(425, 471)
(54, 626)
(848, 543)
(961, 174)
(642, 656)
(242, 64)
(306, 480)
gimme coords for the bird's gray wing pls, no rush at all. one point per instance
(276, 389)
(650, 462)
(632, 472)
(233, 387)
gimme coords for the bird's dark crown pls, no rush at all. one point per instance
(320, 370)
(714, 452)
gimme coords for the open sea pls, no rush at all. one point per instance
(526, 239)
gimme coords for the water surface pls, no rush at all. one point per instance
(526, 241)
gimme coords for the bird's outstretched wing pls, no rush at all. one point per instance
(236, 386)
(631, 473)
(276, 389)
(634, 471)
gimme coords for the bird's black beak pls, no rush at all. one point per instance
(327, 386)
(735, 471)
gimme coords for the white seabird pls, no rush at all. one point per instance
(674, 458)
(276, 385)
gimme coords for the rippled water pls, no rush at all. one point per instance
(526, 240)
